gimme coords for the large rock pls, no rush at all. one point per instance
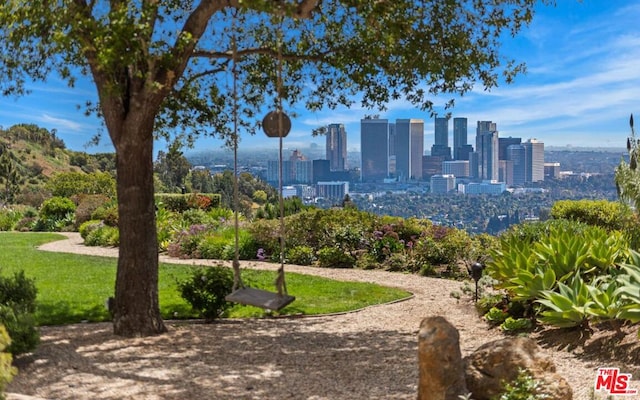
(441, 366)
(500, 361)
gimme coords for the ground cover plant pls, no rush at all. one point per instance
(74, 288)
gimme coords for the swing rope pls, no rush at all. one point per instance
(281, 285)
(240, 293)
(237, 278)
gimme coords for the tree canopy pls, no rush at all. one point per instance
(332, 52)
(161, 66)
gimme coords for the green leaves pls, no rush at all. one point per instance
(525, 269)
(629, 289)
(571, 278)
(331, 55)
(606, 298)
(567, 307)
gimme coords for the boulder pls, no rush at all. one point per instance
(500, 361)
(441, 366)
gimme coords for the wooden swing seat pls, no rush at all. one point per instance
(260, 298)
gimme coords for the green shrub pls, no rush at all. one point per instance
(247, 245)
(87, 205)
(397, 262)
(511, 324)
(18, 292)
(89, 226)
(181, 202)
(332, 257)
(442, 246)
(56, 208)
(212, 247)
(367, 261)
(611, 215)
(172, 201)
(17, 305)
(107, 213)
(496, 315)
(195, 216)
(7, 371)
(22, 329)
(523, 387)
(221, 245)
(104, 235)
(300, 255)
(25, 224)
(205, 291)
(385, 246)
(266, 234)
(9, 219)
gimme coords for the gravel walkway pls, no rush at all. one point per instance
(369, 354)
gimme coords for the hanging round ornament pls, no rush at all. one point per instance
(271, 124)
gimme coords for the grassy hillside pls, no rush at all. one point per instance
(30, 155)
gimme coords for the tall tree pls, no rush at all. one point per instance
(163, 66)
(172, 166)
(9, 177)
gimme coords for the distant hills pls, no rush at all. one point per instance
(34, 154)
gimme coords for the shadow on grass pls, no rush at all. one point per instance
(62, 313)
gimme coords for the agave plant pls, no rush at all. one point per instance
(568, 307)
(629, 289)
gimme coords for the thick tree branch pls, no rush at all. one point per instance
(222, 68)
(264, 51)
(86, 35)
(190, 34)
(306, 8)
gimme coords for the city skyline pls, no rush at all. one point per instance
(580, 89)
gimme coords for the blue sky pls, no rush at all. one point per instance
(582, 83)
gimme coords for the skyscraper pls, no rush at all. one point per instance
(534, 165)
(487, 150)
(374, 148)
(460, 146)
(441, 143)
(504, 143)
(516, 154)
(392, 151)
(336, 148)
(409, 147)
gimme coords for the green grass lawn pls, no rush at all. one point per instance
(74, 288)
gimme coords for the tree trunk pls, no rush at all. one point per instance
(137, 312)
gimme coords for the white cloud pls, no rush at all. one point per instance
(61, 123)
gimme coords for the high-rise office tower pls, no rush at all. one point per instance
(504, 143)
(441, 144)
(304, 171)
(487, 150)
(392, 151)
(336, 148)
(461, 148)
(534, 166)
(506, 172)
(409, 147)
(321, 170)
(516, 154)
(374, 149)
